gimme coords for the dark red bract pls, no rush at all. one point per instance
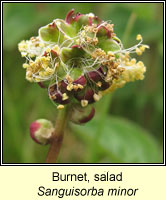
(88, 118)
(81, 80)
(41, 85)
(96, 75)
(86, 94)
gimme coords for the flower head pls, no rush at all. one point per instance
(81, 59)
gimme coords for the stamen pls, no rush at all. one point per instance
(84, 103)
(70, 87)
(97, 97)
(64, 96)
(139, 37)
(59, 107)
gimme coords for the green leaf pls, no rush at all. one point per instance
(121, 140)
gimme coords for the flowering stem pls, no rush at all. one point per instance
(57, 137)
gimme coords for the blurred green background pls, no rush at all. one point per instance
(128, 125)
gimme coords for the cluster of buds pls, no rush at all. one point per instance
(80, 59)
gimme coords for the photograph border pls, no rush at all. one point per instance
(82, 164)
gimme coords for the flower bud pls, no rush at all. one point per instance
(80, 115)
(41, 131)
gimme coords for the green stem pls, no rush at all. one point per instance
(57, 138)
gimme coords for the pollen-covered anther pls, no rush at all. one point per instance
(89, 39)
(25, 65)
(97, 97)
(133, 61)
(99, 84)
(75, 87)
(22, 46)
(34, 39)
(78, 41)
(143, 47)
(113, 73)
(69, 79)
(41, 45)
(127, 54)
(37, 80)
(53, 96)
(110, 27)
(70, 87)
(91, 29)
(29, 73)
(23, 54)
(83, 33)
(84, 103)
(80, 86)
(64, 97)
(138, 52)
(141, 64)
(110, 57)
(108, 79)
(98, 53)
(49, 71)
(41, 74)
(59, 107)
(31, 55)
(139, 37)
(95, 41)
(110, 53)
